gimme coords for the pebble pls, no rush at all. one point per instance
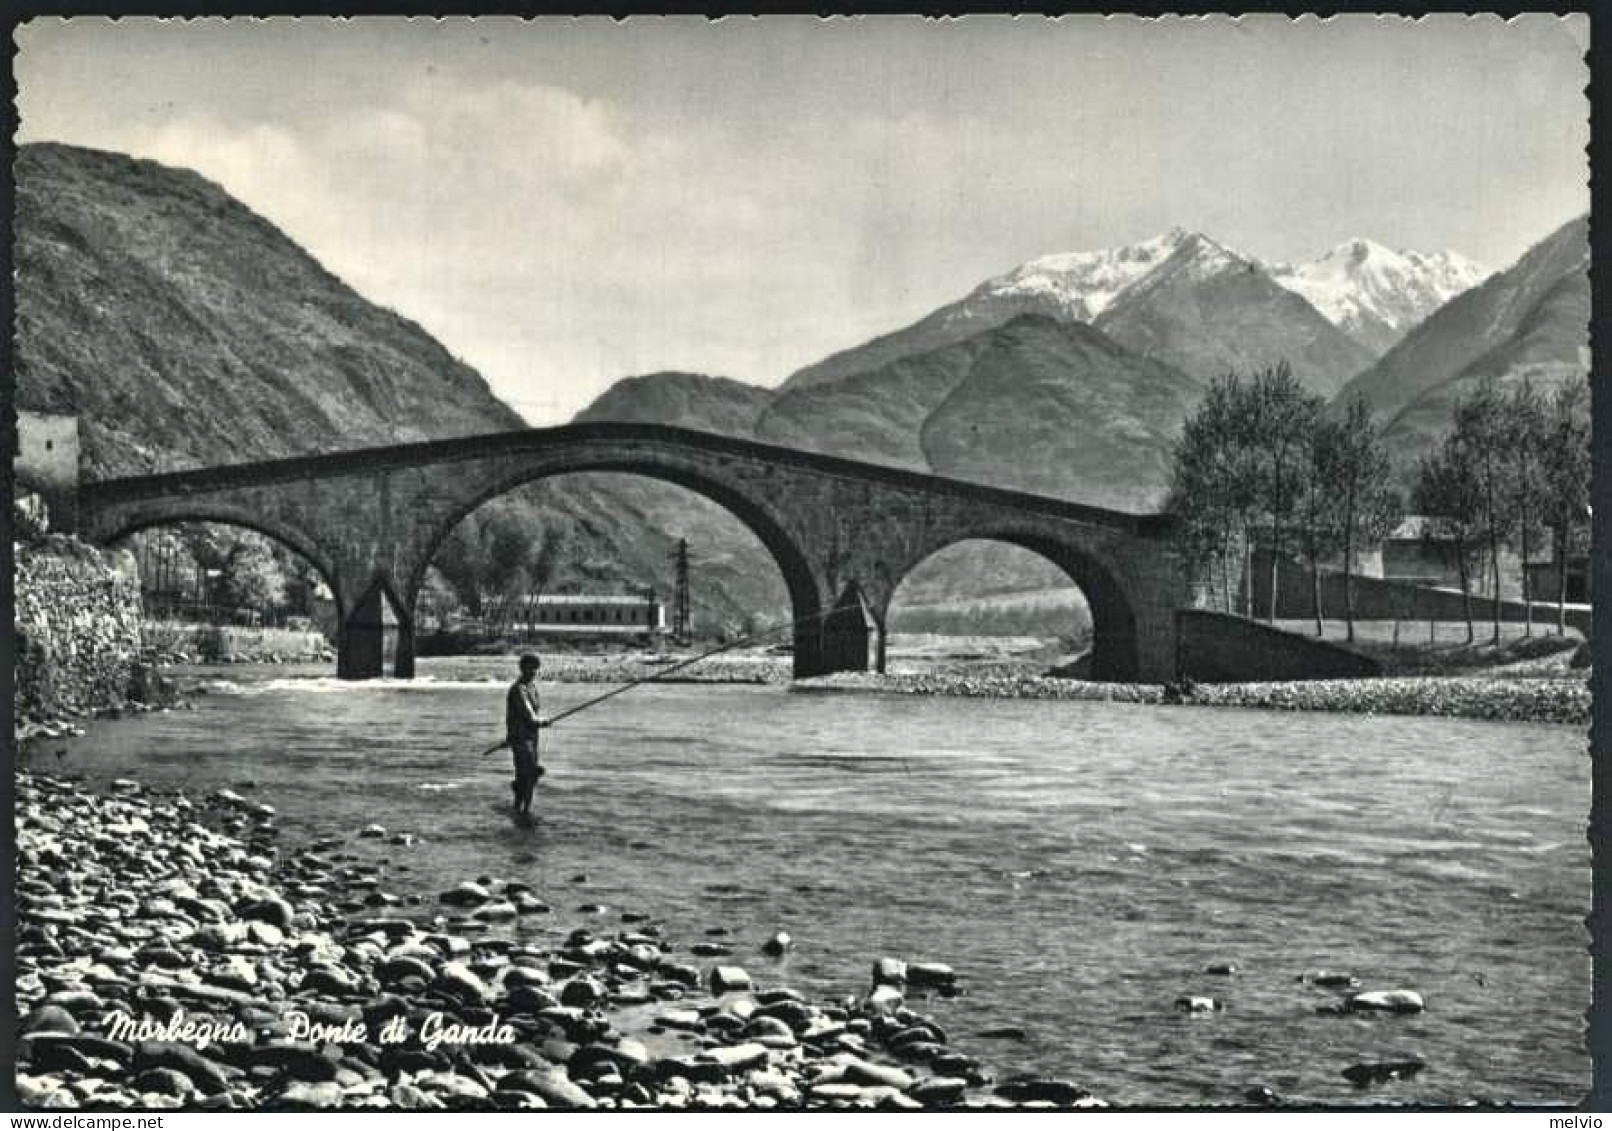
(889, 972)
(1367, 1073)
(728, 979)
(466, 894)
(1385, 1001)
(229, 929)
(929, 974)
(1041, 1090)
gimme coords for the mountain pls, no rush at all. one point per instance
(1529, 321)
(1208, 310)
(1376, 295)
(1100, 419)
(1181, 298)
(880, 414)
(682, 400)
(185, 330)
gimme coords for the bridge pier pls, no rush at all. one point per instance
(848, 639)
(372, 635)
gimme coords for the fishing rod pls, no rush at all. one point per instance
(664, 672)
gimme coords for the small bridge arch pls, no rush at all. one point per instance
(1112, 601)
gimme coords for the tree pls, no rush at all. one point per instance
(1282, 423)
(251, 577)
(1361, 479)
(1320, 516)
(1526, 434)
(1480, 434)
(1447, 492)
(1215, 483)
(1565, 476)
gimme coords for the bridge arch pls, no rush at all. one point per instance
(1115, 651)
(808, 604)
(133, 522)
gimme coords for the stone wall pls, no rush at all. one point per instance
(78, 628)
(1376, 599)
(173, 642)
(1218, 648)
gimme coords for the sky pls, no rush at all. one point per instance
(564, 202)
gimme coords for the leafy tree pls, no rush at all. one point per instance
(1359, 476)
(1447, 491)
(456, 561)
(1215, 483)
(1320, 517)
(251, 577)
(1281, 424)
(1480, 434)
(1526, 434)
(1565, 476)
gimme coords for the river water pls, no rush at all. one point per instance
(1079, 864)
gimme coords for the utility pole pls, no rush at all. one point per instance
(681, 627)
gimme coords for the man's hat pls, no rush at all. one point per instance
(530, 662)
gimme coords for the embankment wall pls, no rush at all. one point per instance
(179, 642)
(77, 623)
(1218, 648)
(1377, 599)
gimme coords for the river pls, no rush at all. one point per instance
(1079, 864)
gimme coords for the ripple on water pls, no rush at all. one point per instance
(775, 811)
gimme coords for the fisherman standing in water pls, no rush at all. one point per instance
(522, 721)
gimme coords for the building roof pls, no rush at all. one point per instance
(1413, 527)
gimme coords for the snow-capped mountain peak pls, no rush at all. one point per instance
(1376, 294)
(1080, 285)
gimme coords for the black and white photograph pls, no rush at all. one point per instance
(797, 564)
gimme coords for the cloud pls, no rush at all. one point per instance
(563, 204)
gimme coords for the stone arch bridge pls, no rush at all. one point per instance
(844, 533)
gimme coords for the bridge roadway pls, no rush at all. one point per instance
(843, 532)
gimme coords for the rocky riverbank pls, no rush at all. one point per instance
(172, 954)
(1516, 700)
(1511, 700)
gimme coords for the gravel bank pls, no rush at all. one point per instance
(170, 954)
(1519, 700)
(1515, 700)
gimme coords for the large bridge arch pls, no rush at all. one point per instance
(810, 604)
(1116, 651)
